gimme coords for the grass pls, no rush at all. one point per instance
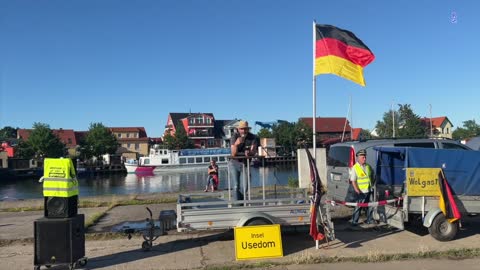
(93, 204)
(374, 257)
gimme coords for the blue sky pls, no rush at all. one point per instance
(130, 63)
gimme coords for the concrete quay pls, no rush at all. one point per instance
(215, 249)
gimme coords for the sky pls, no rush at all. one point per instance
(129, 63)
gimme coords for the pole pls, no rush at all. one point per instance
(431, 125)
(314, 89)
(393, 120)
(314, 119)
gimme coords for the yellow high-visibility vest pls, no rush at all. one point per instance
(59, 178)
(363, 178)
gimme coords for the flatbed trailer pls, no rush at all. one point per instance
(200, 211)
(459, 166)
(217, 210)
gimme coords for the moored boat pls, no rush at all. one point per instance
(164, 159)
(132, 166)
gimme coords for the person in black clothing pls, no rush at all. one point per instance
(212, 176)
(243, 145)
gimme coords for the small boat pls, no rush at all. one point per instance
(165, 160)
(132, 166)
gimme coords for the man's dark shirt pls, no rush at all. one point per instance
(249, 140)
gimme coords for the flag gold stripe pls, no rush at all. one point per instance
(332, 64)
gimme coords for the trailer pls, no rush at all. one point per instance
(261, 206)
(396, 178)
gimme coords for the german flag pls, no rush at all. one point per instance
(340, 52)
(446, 201)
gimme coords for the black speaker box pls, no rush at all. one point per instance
(60, 207)
(59, 240)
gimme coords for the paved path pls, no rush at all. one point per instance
(200, 250)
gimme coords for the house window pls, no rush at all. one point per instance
(137, 146)
(128, 135)
(221, 158)
(209, 120)
(191, 121)
(182, 160)
(211, 142)
(206, 159)
(136, 135)
(128, 145)
(199, 120)
(198, 159)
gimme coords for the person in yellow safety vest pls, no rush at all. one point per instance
(59, 178)
(361, 176)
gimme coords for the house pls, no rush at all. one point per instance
(201, 128)
(132, 140)
(66, 136)
(441, 127)
(329, 128)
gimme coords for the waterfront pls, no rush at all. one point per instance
(175, 181)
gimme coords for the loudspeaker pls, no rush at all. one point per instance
(60, 207)
(59, 240)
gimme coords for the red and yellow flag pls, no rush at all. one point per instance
(340, 52)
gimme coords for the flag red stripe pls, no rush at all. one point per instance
(331, 46)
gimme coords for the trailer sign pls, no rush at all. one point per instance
(423, 181)
(256, 242)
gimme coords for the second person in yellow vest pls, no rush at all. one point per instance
(361, 178)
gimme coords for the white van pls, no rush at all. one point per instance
(341, 157)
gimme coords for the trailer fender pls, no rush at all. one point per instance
(246, 219)
(428, 219)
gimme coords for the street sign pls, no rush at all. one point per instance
(255, 242)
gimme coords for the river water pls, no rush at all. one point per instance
(175, 181)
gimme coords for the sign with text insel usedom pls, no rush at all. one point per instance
(255, 242)
(423, 181)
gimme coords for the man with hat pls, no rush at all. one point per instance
(243, 145)
(361, 175)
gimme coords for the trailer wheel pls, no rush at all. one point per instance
(258, 221)
(442, 230)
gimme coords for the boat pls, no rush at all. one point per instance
(164, 159)
(132, 166)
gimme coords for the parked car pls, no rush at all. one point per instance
(341, 157)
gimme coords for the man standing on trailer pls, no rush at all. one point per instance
(243, 145)
(361, 176)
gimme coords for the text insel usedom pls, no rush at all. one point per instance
(253, 242)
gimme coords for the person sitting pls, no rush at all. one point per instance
(212, 176)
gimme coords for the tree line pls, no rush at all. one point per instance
(42, 142)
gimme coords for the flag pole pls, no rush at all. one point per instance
(314, 118)
(314, 89)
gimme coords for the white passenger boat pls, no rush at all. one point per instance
(164, 159)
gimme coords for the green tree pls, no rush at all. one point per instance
(169, 141)
(365, 134)
(264, 133)
(470, 129)
(24, 150)
(7, 133)
(181, 138)
(407, 124)
(98, 141)
(284, 136)
(410, 124)
(289, 135)
(44, 143)
(302, 133)
(385, 127)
